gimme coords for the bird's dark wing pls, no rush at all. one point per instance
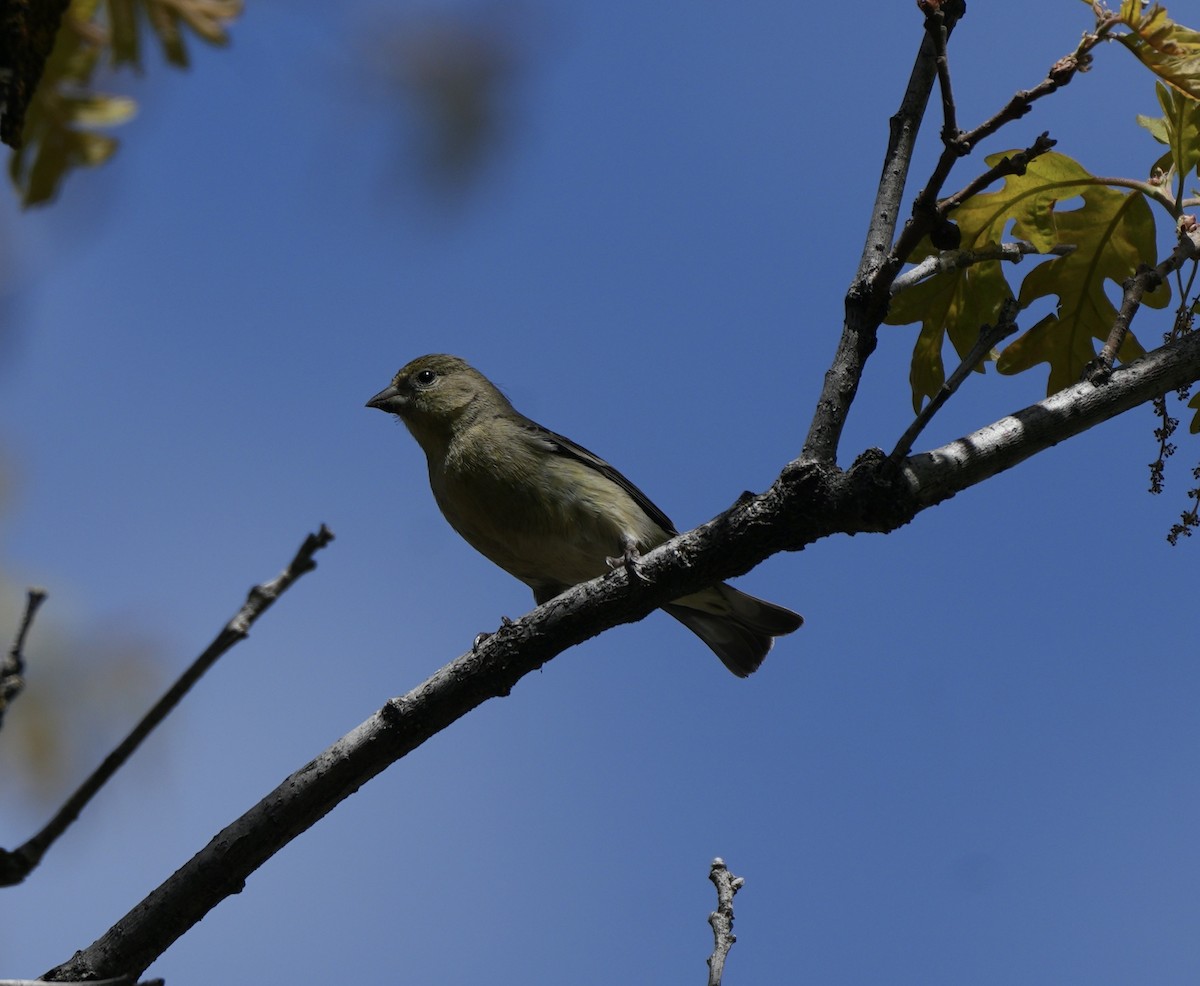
(564, 446)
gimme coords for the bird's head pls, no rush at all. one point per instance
(435, 394)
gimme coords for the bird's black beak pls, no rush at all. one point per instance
(388, 399)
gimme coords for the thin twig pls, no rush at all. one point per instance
(989, 337)
(926, 212)
(16, 865)
(1146, 279)
(12, 671)
(949, 261)
(1061, 73)
(935, 28)
(1014, 165)
(722, 918)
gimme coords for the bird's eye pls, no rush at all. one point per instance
(425, 377)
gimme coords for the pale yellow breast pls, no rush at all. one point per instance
(541, 517)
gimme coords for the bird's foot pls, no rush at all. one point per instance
(484, 634)
(629, 561)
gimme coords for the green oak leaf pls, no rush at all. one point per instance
(1194, 404)
(1178, 128)
(1113, 234)
(1170, 50)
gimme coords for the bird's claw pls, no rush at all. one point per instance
(629, 561)
(484, 634)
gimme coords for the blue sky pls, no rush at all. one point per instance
(975, 763)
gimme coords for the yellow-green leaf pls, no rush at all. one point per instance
(954, 305)
(99, 110)
(207, 18)
(1170, 50)
(60, 119)
(1194, 404)
(1178, 128)
(92, 149)
(123, 33)
(1113, 234)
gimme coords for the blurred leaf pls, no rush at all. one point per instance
(452, 71)
(57, 140)
(1171, 51)
(166, 26)
(39, 182)
(100, 111)
(123, 33)
(62, 117)
(207, 18)
(85, 683)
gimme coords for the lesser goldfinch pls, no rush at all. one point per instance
(549, 511)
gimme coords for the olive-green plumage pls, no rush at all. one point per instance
(549, 511)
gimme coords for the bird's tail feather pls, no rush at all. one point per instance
(739, 628)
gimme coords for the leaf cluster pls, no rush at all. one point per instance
(1101, 230)
(66, 120)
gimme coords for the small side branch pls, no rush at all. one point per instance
(949, 261)
(927, 211)
(1146, 279)
(12, 671)
(17, 864)
(935, 28)
(989, 337)
(722, 918)
(1017, 164)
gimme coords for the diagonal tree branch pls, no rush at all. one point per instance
(17, 864)
(936, 475)
(809, 501)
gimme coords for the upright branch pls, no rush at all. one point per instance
(12, 671)
(721, 919)
(17, 864)
(864, 308)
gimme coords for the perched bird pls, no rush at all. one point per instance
(549, 511)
